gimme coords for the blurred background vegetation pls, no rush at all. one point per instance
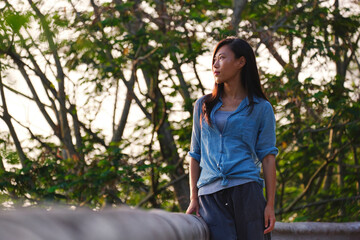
(147, 57)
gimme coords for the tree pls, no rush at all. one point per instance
(138, 52)
(109, 39)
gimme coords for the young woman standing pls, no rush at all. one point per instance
(233, 135)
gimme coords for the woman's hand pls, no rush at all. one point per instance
(194, 207)
(269, 215)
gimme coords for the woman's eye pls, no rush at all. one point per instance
(218, 58)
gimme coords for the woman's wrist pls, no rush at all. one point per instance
(196, 198)
(270, 204)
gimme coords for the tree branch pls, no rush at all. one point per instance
(321, 202)
(353, 47)
(52, 45)
(152, 194)
(238, 8)
(266, 35)
(94, 135)
(43, 144)
(193, 58)
(20, 64)
(312, 178)
(184, 87)
(23, 95)
(61, 96)
(7, 119)
(338, 125)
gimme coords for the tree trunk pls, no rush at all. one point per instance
(238, 8)
(356, 162)
(170, 154)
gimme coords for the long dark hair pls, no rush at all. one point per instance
(250, 79)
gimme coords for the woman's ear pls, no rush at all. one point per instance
(242, 61)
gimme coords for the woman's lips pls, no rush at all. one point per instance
(216, 73)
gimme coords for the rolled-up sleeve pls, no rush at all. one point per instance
(195, 147)
(266, 139)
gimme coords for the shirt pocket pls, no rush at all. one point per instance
(243, 130)
(250, 133)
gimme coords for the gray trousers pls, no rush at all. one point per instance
(235, 213)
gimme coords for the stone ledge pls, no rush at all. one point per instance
(316, 231)
(134, 224)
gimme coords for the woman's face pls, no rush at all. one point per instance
(226, 67)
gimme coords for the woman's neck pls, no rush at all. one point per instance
(232, 96)
(234, 91)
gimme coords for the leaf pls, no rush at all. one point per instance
(16, 21)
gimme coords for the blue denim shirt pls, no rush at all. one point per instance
(237, 151)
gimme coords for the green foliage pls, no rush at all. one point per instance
(318, 113)
(16, 20)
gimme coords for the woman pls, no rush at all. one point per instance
(233, 134)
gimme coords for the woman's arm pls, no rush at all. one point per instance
(270, 186)
(194, 174)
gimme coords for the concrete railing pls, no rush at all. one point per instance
(112, 224)
(130, 224)
(316, 231)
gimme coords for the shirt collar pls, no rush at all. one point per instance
(256, 99)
